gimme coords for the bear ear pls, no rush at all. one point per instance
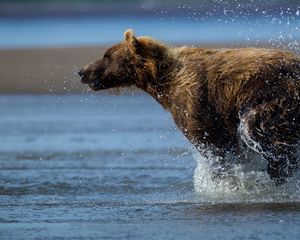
(129, 35)
(133, 42)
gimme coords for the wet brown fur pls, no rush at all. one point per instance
(210, 92)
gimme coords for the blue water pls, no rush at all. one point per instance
(54, 32)
(115, 167)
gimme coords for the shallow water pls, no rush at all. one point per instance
(115, 167)
(279, 31)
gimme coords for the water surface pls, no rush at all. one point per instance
(116, 167)
(72, 31)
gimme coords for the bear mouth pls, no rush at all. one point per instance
(96, 85)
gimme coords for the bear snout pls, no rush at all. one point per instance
(85, 78)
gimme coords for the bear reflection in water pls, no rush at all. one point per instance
(220, 99)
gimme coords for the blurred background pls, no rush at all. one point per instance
(44, 42)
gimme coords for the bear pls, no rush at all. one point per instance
(219, 98)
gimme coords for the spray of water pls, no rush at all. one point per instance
(241, 182)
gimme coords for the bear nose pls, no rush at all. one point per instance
(81, 72)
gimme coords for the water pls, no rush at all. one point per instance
(72, 31)
(115, 167)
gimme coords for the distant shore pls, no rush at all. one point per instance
(44, 71)
(53, 70)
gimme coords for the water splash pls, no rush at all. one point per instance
(245, 182)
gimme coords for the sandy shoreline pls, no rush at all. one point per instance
(50, 70)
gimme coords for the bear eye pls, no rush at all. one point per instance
(106, 55)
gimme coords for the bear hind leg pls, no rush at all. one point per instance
(282, 162)
(260, 134)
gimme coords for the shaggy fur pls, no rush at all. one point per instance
(216, 97)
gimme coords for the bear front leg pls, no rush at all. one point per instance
(219, 165)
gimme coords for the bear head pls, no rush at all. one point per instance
(128, 63)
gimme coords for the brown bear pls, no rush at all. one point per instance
(218, 98)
